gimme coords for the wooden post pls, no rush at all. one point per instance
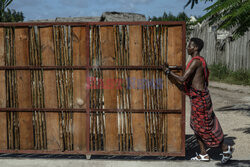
(3, 121)
(174, 95)
(138, 119)
(50, 94)
(110, 93)
(79, 88)
(24, 88)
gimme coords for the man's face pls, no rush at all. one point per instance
(191, 48)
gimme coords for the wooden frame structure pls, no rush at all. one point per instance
(44, 60)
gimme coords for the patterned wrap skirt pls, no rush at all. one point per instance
(203, 120)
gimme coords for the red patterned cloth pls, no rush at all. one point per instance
(203, 120)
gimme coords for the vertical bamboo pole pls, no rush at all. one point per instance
(117, 58)
(98, 100)
(165, 88)
(145, 93)
(95, 90)
(91, 83)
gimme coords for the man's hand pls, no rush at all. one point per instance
(165, 68)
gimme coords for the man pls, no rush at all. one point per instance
(203, 121)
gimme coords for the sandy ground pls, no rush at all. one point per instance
(231, 105)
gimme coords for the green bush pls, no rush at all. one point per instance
(221, 73)
(218, 71)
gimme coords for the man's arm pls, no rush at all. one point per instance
(180, 86)
(179, 80)
(190, 71)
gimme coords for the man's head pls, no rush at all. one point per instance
(195, 44)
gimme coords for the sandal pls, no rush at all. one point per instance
(202, 157)
(227, 155)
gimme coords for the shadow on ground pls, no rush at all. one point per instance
(244, 130)
(241, 107)
(191, 148)
(241, 163)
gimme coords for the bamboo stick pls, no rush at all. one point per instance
(98, 91)
(102, 92)
(91, 91)
(67, 102)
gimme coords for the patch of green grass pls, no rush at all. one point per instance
(221, 73)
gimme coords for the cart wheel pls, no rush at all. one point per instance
(88, 156)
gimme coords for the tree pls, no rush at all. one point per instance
(9, 15)
(231, 15)
(12, 16)
(3, 5)
(170, 17)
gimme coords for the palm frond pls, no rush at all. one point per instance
(229, 15)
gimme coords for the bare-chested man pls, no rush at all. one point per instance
(203, 121)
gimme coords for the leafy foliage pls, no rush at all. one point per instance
(231, 15)
(170, 17)
(9, 15)
(193, 2)
(220, 72)
(3, 5)
(12, 16)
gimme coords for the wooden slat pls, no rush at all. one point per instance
(79, 88)
(24, 88)
(174, 95)
(138, 120)
(50, 94)
(47, 47)
(79, 59)
(3, 123)
(2, 62)
(79, 131)
(79, 42)
(108, 58)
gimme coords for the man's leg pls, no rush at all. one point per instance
(224, 148)
(227, 154)
(202, 145)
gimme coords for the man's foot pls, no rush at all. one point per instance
(200, 157)
(227, 155)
